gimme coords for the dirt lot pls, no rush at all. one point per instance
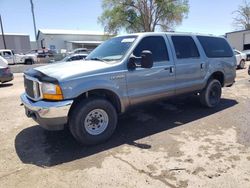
(173, 143)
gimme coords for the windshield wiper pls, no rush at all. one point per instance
(97, 59)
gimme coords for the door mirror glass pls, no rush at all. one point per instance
(146, 59)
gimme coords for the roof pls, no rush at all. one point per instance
(86, 42)
(69, 32)
(238, 31)
(168, 33)
(16, 34)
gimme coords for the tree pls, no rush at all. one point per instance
(142, 15)
(242, 16)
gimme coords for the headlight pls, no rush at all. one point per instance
(51, 91)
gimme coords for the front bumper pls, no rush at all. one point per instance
(48, 114)
(6, 78)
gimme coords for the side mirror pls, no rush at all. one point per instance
(146, 59)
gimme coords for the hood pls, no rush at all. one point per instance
(71, 69)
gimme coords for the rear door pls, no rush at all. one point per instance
(157, 82)
(188, 62)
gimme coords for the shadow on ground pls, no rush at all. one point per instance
(6, 85)
(43, 148)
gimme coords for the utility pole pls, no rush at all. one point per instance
(34, 20)
(4, 43)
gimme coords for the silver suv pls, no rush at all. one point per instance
(122, 72)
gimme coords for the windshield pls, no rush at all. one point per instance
(113, 49)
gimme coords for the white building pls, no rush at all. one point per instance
(55, 39)
(239, 40)
(20, 43)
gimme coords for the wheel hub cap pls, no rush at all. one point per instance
(96, 121)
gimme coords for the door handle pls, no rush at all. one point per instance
(202, 65)
(171, 69)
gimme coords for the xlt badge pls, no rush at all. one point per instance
(117, 77)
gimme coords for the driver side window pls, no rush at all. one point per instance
(155, 44)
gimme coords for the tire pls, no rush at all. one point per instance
(242, 64)
(211, 95)
(92, 121)
(29, 62)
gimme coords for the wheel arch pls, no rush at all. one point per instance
(107, 94)
(218, 75)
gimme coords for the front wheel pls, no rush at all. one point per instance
(211, 95)
(29, 62)
(92, 121)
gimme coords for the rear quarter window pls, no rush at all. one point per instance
(215, 47)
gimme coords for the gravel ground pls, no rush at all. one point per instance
(174, 143)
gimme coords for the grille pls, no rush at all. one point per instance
(31, 88)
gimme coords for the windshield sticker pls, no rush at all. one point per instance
(128, 40)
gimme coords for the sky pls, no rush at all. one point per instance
(205, 16)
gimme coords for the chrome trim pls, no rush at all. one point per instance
(35, 82)
(46, 109)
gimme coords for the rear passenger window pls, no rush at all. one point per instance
(185, 47)
(215, 47)
(155, 44)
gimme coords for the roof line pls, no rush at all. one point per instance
(238, 31)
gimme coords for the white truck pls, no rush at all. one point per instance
(18, 58)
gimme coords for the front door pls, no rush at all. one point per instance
(156, 82)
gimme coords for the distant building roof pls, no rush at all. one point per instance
(239, 31)
(69, 32)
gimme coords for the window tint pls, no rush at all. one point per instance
(82, 57)
(73, 58)
(6, 54)
(155, 44)
(185, 47)
(215, 47)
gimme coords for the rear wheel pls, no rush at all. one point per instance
(242, 64)
(92, 121)
(211, 95)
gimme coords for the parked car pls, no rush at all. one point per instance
(247, 52)
(5, 73)
(43, 53)
(240, 58)
(123, 72)
(13, 58)
(79, 51)
(74, 57)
